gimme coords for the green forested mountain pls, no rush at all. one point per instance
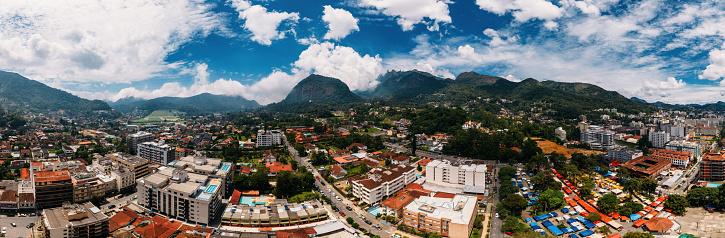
(401, 85)
(202, 103)
(18, 93)
(317, 88)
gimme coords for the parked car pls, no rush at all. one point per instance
(497, 215)
(342, 214)
(368, 222)
(13, 224)
(349, 208)
(111, 206)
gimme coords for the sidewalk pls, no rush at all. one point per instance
(487, 218)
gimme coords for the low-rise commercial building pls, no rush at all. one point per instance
(647, 166)
(452, 217)
(380, 185)
(677, 158)
(75, 220)
(180, 194)
(279, 214)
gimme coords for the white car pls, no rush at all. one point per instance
(5, 231)
(496, 215)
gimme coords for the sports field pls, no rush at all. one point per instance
(160, 116)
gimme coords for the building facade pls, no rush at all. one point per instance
(124, 178)
(89, 184)
(133, 140)
(598, 138)
(52, 188)
(180, 194)
(138, 165)
(712, 167)
(75, 220)
(380, 185)
(157, 152)
(659, 138)
(677, 158)
(212, 167)
(451, 217)
(624, 154)
(269, 138)
(684, 146)
(278, 214)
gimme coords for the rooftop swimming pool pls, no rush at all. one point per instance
(226, 167)
(250, 201)
(210, 189)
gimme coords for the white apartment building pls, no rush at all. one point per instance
(684, 146)
(133, 140)
(269, 138)
(659, 138)
(624, 154)
(160, 152)
(598, 138)
(124, 177)
(380, 185)
(212, 167)
(560, 133)
(443, 171)
(451, 217)
(180, 194)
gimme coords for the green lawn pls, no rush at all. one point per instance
(160, 116)
(370, 131)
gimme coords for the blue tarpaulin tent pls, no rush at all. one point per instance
(547, 223)
(573, 236)
(570, 221)
(634, 217)
(553, 214)
(555, 230)
(564, 210)
(586, 233)
(528, 219)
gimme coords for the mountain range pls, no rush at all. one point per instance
(18, 93)
(199, 104)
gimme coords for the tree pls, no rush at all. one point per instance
(260, 180)
(549, 199)
(677, 203)
(623, 172)
(510, 223)
(95, 200)
(515, 203)
(241, 182)
(354, 149)
(593, 217)
(634, 234)
(507, 171)
(388, 163)
(608, 203)
(699, 197)
(502, 210)
(544, 180)
(286, 184)
(355, 225)
(349, 220)
(419, 168)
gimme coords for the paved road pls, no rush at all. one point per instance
(21, 222)
(355, 214)
(119, 201)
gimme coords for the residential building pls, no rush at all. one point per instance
(26, 195)
(138, 165)
(125, 178)
(393, 206)
(677, 158)
(659, 138)
(712, 167)
(647, 166)
(624, 154)
(133, 140)
(180, 194)
(89, 184)
(212, 167)
(685, 146)
(278, 214)
(269, 138)
(52, 188)
(443, 171)
(75, 220)
(451, 217)
(598, 138)
(270, 156)
(560, 133)
(157, 152)
(337, 172)
(380, 185)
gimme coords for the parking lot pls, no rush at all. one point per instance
(20, 230)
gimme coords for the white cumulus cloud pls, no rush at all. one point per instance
(411, 12)
(99, 41)
(358, 72)
(716, 69)
(522, 10)
(262, 23)
(340, 22)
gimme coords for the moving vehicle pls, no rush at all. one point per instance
(13, 224)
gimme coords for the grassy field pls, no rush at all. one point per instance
(160, 116)
(549, 147)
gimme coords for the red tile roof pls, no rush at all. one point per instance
(659, 224)
(277, 169)
(397, 202)
(337, 170)
(444, 195)
(121, 219)
(51, 176)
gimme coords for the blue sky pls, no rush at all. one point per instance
(670, 51)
